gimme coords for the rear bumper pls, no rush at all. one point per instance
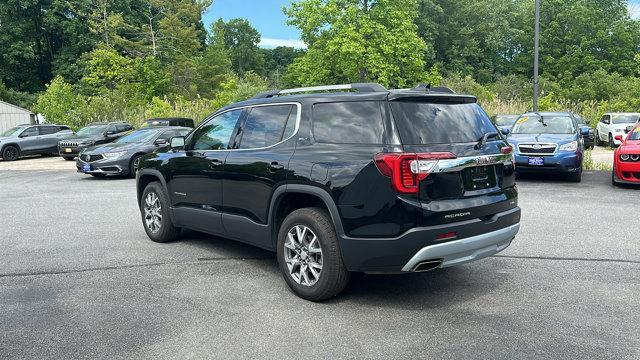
(465, 250)
(476, 238)
(559, 164)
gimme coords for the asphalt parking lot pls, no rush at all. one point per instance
(80, 279)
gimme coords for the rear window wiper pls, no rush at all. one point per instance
(484, 138)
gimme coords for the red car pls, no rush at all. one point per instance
(626, 159)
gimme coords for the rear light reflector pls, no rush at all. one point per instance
(506, 150)
(406, 170)
(447, 236)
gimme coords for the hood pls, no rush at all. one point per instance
(542, 138)
(110, 147)
(630, 147)
(77, 138)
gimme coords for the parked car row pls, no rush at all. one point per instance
(554, 142)
(51, 139)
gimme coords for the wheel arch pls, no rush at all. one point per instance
(288, 198)
(16, 145)
(145, 177)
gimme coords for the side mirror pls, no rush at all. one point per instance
(618, 137)
(505, 131)
(584, 131)
(177, 142)
(161, 142)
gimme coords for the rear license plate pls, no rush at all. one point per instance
(536, 161)
(479, 178)
(68, 150)
(86, 167)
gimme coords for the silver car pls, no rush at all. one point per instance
(31, 139)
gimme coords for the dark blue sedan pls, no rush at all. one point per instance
(548, 142)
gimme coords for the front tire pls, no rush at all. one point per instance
(611, 143)
(575, 177)
(156, 220)
(10, 153)
(309, 256)
(613, 178)
(134, 165)
(67, 158)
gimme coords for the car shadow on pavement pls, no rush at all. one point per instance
(438, 288)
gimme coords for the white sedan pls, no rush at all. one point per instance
(613, 124)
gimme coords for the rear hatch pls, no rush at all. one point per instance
(457, 176)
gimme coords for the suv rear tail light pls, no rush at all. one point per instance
(406, 170)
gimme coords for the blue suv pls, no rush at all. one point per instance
(548, 142)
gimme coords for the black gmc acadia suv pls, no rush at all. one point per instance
(365, 180)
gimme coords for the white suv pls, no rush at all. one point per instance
(612, 124)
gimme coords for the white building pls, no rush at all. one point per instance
(11, 115)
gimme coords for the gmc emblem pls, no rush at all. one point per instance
(483, 160)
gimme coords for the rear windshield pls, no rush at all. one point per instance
(422, 122)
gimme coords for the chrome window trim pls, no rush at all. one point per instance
(295, 130)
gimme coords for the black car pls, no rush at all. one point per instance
(368, 180)
(184, 122)
(589, 140)
(122, 156)
(92, 134)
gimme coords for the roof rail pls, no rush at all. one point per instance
(436, 89)
(359, 87)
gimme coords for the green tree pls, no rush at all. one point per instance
(277, 60)
(357, 41)
(241, 40)
(60, 104)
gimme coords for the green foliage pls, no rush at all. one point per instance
(358, 41)
(60, 104)
(241, 40)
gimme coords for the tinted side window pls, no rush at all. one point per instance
(48, 130)
(264, 126)
(122, 128)
(440, 123)
(348, 122)
(216, 133)
(32, 131)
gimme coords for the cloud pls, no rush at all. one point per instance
(272, 43)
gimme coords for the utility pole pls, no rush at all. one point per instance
(536, 57)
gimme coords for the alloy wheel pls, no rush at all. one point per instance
(10, 153)
(153, 212)
(303, 255)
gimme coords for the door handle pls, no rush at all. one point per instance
(216, 162)
(275, 166)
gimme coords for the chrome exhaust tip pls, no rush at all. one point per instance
(427, 265)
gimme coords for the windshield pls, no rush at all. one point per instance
(140, 136)
(505, 120)
(12, 132)
(624, 119)
(548, 124)
(635, 134)
(92, 130)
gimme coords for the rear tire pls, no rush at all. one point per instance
(10, 153)
(154, 210)
(318, 245)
